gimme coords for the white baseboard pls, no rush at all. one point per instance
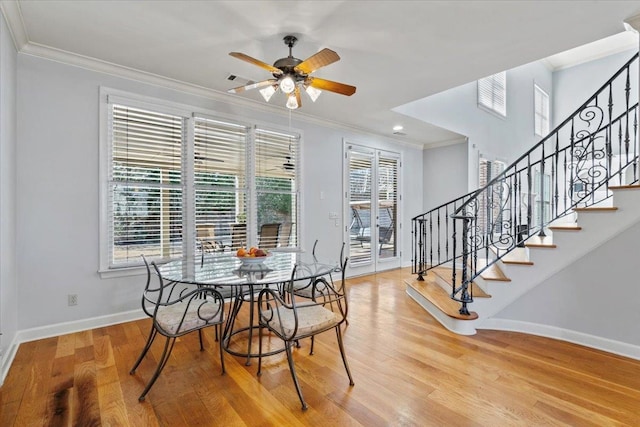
(7, 359)
(62, 329)
(600, 343)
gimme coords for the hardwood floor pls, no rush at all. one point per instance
(408, 370)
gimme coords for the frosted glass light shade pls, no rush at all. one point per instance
(267, 92)
(292, 102)
(313, 93)
(287, 85)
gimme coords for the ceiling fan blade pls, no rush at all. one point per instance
(331, 86)
(298, 97)
(318, 60)
(257, 62)
(253, 86)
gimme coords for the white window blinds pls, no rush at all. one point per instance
(490, 202)
(145, 183)
(492, 93)
(176, 183)
(276, 182)
(220, 151)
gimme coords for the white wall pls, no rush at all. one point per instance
(597, 295)
(58, 206)
(492, 136)
(572, 86)
(445, 176)
(8, 281)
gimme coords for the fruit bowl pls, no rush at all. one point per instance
(252, 259)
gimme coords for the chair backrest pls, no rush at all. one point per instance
(205, 231)
(269, 236)
(238, 236)
(148, 309)
(183, 308)
(285, 235)
(331, 295)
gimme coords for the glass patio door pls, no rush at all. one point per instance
(371, 208)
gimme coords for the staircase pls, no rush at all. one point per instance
(565, 197)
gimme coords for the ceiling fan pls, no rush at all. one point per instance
(291, 75)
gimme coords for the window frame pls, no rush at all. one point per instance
(490, 85)
(536, 113)
(109, 96)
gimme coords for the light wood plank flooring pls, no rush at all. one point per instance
(408, 370)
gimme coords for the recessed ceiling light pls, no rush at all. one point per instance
(397, 128)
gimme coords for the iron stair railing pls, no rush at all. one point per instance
(573, 166)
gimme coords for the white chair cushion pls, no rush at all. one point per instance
(198, 314)
(311, 318)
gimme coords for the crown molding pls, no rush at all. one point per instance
(454, 141)
(593, 51)
(93, 64)
(634, 21)
(13, 17)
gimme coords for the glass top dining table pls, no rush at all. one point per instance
(230, 270)
(240, 281)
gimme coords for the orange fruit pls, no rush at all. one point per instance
(241, 252)
(252, 250)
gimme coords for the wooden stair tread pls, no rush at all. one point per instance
(439, 297)
(565, 228)
(516, 262)
(597, 209)
(540, 245)
(625, 187)
(445, 274)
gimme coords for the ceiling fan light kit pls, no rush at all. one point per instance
(292, 75)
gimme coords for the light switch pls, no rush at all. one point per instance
(333, 215)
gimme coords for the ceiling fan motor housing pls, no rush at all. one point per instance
(287, 66)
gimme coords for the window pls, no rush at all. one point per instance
(492, 93)
(169, 172)
(541, 111)
(542, 199)
(490, 202)
(145, 185)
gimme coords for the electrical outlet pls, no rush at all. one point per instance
(72, 299)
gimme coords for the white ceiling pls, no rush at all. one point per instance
(394, 52)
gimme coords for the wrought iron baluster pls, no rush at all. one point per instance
(529, 194)
(464, 296)
(554, 172)
(608, 133)
(439, 260)
(565, 180)
(454, 238)
(446, 229)
(627, 91)
(635, 144)
(431, 238)
(594, 184)
(541, 233)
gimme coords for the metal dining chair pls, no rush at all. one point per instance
(176, 310)
(291, 320)
(269, 236)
